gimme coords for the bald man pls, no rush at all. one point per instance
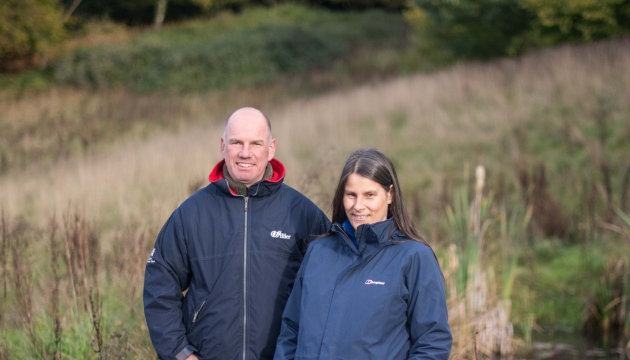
(224, 263)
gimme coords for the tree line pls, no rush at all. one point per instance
(461, 29)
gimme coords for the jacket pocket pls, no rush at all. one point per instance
(195, 316)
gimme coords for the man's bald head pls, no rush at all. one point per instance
(247, 112)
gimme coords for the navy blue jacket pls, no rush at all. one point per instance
(377, 300)
(237, 257)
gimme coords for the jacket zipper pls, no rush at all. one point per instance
(198, 310)
(245, 283)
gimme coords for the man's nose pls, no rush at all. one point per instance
(244, 153)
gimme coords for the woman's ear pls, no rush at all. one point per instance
(390, 194)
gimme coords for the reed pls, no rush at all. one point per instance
(4, 305)
(55, 255)
(479, 318)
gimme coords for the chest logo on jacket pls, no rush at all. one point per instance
(279, 234)
(372, 282)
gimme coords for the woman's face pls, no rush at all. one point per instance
(365, 201)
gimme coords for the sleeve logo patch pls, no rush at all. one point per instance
(151, 261)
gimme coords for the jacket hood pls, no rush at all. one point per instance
(261, 188)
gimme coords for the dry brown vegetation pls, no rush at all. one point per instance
(430, 125)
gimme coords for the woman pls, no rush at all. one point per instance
(371, 288)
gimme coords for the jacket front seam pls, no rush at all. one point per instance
(245, 283)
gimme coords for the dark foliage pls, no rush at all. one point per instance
(476, 29)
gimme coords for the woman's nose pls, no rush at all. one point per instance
(358, 203)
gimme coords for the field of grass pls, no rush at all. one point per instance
(550, 128)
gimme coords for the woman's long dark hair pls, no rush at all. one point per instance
(374, 165)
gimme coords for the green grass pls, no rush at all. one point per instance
(560, 282)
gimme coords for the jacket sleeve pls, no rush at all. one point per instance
(167, 275)
(427, 311)
(287, 341)
(318, 226)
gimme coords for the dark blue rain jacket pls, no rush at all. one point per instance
(237, 257)
(377, 300)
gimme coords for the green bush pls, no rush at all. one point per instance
(558, 21)
(26, 27)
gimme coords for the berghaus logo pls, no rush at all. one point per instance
(372, 282)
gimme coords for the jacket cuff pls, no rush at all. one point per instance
(185, 353)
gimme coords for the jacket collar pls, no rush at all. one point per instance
(258, 189)
(377, 234)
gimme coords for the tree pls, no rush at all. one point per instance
(160, 13)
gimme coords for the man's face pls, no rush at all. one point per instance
(247, 146)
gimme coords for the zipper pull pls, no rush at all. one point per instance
(246, 201)
(197, 311)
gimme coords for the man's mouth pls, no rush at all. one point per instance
(244, 165)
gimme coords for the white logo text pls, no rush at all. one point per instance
(372, 282)
(279, 234)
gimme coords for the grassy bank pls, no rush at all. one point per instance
(550, 129)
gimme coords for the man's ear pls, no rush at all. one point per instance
(272, 149)
(222, 148)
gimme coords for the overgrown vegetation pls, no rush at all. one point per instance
(59, 303)
(522, 248)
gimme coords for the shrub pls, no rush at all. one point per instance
(26, 27)
(558, 21)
